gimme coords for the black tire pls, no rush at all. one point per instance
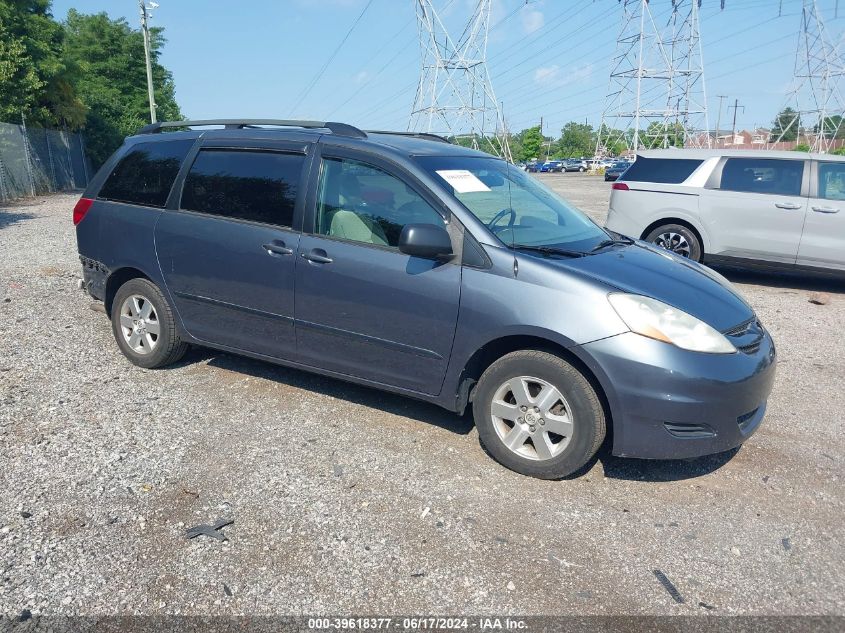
(168, 347)
(692, 247)
(587, 414)
(582, 169)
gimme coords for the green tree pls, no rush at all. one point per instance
(802, 147)
(532, 142)
(834, 127)
(108, 56)
(34, 76)
(659, 135)
(614, 142)
(576, 139)
(785, 126)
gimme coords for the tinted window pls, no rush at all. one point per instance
(763, 175)
(670, 171)
(251, 185)
(146, 174)
(362, 203)
(832, 181)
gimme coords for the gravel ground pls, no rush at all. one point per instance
(348, 500)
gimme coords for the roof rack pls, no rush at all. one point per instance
(423, 135)
(341, 129)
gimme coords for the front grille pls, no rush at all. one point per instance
(747, 336)
(744, 421)
(751, 348)
(689, 431)
(740, 329)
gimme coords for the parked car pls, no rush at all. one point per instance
(754, 208)
(575, 164)
(404, 263)
(615, 170)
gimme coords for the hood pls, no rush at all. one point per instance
(648, 270)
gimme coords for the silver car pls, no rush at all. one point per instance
(753, 208)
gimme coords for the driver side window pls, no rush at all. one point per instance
(362, 203)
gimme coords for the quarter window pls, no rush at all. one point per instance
(763, 175)
(259, 186)
(832, 181)
(362, 203)
(146, 174)
(669, 171)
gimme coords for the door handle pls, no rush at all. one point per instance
(318, 256)
(787, 205)
(277, 247)
(825, 209)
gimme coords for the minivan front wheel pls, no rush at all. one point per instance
(677, 238)
(144, 326)
(538, 415)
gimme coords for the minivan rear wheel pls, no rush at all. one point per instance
(144, 326)
(677, 238)
(538, 415)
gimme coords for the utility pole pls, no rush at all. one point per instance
(818, 82)
(145, 31)
(455, 96)
(719, 117)
(656, 80)
(736, 107)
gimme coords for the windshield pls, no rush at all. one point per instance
(516, 207)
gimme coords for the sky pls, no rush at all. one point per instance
(325, 60)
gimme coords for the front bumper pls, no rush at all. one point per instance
(669, 403)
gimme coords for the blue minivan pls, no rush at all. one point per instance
(405, 263)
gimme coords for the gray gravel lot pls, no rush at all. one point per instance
(348, 500)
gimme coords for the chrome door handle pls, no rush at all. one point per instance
(318, 256)
(825, 209)
(277, 249)
(788, 205)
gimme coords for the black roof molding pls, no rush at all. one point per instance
(341, 129)
(423, 135)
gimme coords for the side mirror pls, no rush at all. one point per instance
(425, 240)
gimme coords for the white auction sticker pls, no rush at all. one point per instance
(463, 180)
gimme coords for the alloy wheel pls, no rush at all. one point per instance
(674, 242)
(532, 418)
(139, 324)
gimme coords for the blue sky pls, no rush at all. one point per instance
(551, 58)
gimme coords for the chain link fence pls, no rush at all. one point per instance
(36, 161)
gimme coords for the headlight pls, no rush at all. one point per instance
(662, 322)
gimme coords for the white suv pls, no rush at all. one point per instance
(749, 208)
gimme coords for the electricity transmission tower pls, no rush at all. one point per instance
(455, 97)
(816, 96)
(656, 96)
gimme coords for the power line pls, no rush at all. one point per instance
(314, 81)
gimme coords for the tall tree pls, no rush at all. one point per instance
(786, 123)
(34, 77)
(111, 79)
(576, 139)
(532, 142)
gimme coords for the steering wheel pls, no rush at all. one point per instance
(508, 211)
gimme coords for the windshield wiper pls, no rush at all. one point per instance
(622, 240)
(548, 250)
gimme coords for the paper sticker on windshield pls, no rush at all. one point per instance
(463, 180)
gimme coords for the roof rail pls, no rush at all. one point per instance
(423, 135)
(341, 129)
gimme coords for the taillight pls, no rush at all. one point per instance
(81, 209)
(620, 186)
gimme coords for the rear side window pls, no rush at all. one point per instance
(832, 181)
(763, 175)
(146, 174)
(670, 171)
(254, 185)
